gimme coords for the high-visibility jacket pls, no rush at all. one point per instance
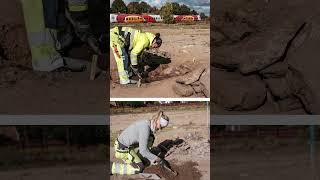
(139, 41)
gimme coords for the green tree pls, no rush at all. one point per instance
(166, 12)
(154, 10)
(144, 7)
(133, 8)
(185, 10)
(176, 10)
(118, 6)
(203, 16)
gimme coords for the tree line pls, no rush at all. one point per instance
(118, 6)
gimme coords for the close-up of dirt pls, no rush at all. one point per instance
(85, 172)
(188, 47)
(184, 171)
(25, 91)
(184, 143)
(265, 58)
(273, 154)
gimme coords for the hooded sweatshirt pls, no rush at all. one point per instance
(138, 134)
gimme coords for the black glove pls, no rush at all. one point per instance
(164, 163)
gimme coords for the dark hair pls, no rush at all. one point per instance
(157, 39)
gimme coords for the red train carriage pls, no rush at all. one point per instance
(148, 18)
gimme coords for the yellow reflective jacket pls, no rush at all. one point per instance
(141, 41)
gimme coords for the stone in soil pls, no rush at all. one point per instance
(234, 91)
(183, 90)
(192, 76)
(278, 87)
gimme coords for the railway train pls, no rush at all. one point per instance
(149, 18)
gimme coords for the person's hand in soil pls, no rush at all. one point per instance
(156, 162)
(162, 162)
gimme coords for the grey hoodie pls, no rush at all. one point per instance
(138, 134)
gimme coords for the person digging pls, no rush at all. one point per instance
(125, 41)
(134, 143)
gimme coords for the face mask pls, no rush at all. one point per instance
(163, 122)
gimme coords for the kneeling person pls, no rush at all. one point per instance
(135, 142)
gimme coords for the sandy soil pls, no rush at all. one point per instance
(190, 126)
(23, 91)
(250, 160)
(185, 44)
(84, 172)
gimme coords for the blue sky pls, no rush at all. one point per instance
(198, 5)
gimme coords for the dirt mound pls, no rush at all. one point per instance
(165, 71)
(260, 40)
(185, 171)
(196, 82)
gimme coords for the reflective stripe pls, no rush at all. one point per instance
(77, 5)
(78, 8)
(121, 169)
(122, 73)
(116, 167)
(113, 169)
(131, 38)
(38, 38)
(125, 169)
(126, 32)
(134, 59)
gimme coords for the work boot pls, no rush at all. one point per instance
(130, 83)
(133, 81)
(72, 65)
(76, 65)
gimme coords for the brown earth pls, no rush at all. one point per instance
(263, 38)
(84, 172)
(262, 158)
(185, 171)
(185, 139)
(187, 45)
(24, 91)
